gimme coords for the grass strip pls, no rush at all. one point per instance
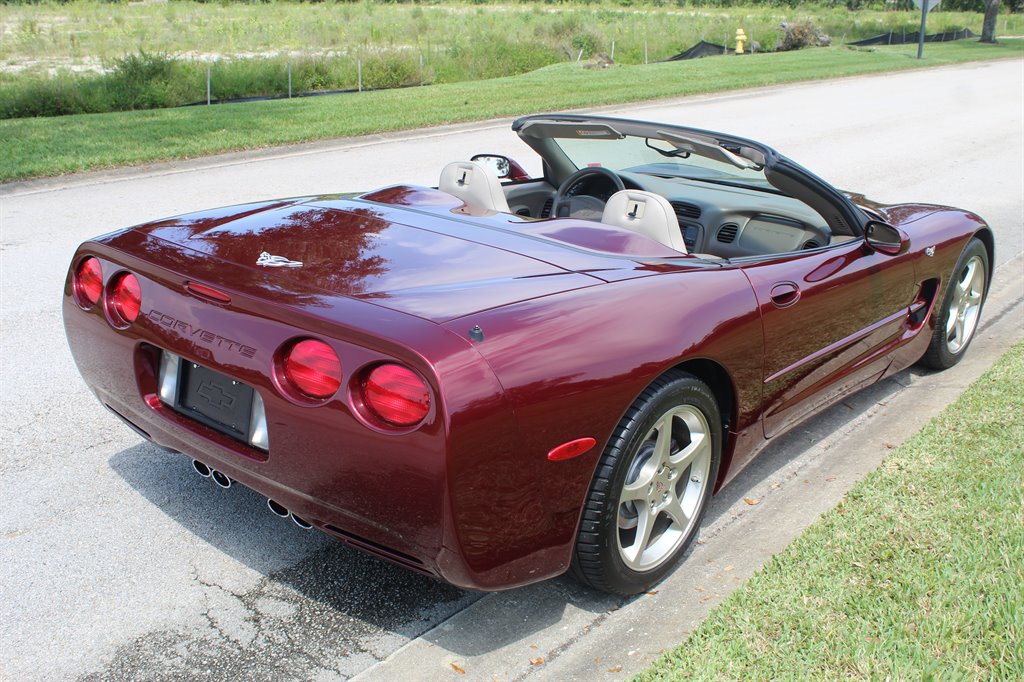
(918, 574)
(53, 146)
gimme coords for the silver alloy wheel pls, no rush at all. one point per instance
(664, 489)
(965, 305)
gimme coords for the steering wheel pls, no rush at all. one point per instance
(583, 205)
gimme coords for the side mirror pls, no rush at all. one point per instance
(502, 166)
(885, 238)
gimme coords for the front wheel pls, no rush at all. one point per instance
(961, 307)
(651, 488)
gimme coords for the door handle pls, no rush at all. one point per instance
(785, 294)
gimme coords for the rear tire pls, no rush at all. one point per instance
(958, 315)
(651, 487)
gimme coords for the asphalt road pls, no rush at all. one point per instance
(119, 562)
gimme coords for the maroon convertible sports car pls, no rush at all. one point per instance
(496, 382)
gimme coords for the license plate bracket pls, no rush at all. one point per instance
(215, 400)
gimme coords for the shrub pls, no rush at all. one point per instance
(801, 34)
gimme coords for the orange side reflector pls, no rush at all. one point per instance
(573, 448)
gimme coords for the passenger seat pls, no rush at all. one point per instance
(474, 185)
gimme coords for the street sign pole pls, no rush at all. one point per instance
(926, 6)
(920, 34)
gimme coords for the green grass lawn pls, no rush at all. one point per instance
(918, 574)
(53, 146)
(87, 32)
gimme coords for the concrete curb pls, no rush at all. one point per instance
(560, 631)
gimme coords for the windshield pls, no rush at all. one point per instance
(659, 157)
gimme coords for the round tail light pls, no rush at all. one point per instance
(88, 281)
(312, 368)
(396, 395)
(125, 297)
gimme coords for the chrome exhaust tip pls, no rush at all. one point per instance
(301, 522)
(201, 468)
(220, 478)
(277, 508)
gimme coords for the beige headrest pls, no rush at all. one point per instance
(647, 214)
(474, 185)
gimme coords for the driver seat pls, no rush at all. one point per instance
(474, 185)
(645, 213)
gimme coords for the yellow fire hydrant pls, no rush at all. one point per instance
(741, 38)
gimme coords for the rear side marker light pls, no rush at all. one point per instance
(573, 448)
(396, 395)
(312, 368)
(88, 282)
(125, 298)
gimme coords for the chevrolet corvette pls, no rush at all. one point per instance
(504, 378)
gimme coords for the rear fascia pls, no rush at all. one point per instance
(383, 491)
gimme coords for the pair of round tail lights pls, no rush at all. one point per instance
(308, 368)
(124, 295)
(391, 393)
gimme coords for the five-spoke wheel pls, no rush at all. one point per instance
(659, 500)
(652, 486)
(958, 315)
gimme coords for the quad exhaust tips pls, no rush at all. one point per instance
(219, 477)
(222, 479)
(279, 509)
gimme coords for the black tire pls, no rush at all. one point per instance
(686, 408)
(945, 348)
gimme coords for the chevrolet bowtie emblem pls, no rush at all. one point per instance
(272, 261)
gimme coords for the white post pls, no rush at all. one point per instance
(579, 56)
(645, 52)
(613, 51)
(289, 80)
(207, 85)
(359, 69)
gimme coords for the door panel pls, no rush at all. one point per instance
(832, 320)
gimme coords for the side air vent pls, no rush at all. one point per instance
(685, 210)
(811, 244)
(727, 233)
(546, 211)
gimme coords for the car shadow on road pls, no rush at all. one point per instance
(320, 605)
(805, 437)
(364, 601)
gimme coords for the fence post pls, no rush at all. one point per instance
(207, 85)
(645, 52)
(613, 51)
(289, 80)
(359, 70)
(579, 56)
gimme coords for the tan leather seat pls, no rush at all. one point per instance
(646, 213)
(474, 185)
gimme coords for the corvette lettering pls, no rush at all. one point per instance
(199, 334)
